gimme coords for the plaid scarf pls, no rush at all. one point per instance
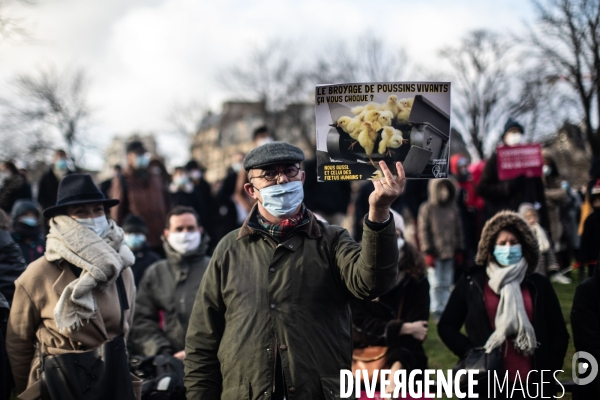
(281, 230)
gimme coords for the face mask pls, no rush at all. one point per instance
(184, 242)
(401, 243)
(61, 164)
(196, 174)
(262, 141)
(508, 255)
(282, 200)
(97, 225)
(4, 175)
(513, 138)
(547, 170)
(181, 180)
(31, 221)
(237, 167)
(142, 161)
(135, 240)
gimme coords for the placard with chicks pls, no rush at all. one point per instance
(361, 124)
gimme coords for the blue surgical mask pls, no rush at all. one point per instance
(282, 200)
(135, 240)
(508, 255)
(142, 161)
(31, 221)
(97, 225)
(61, 164)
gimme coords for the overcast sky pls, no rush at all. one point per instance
(142, 56)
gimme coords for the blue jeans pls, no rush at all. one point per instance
(440, 280)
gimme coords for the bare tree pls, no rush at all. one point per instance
(275, 75)
(542, 103)
(481, 85)
(368, 59)
(271, 73)
(567, 37)
(47, 104)
(184, 118)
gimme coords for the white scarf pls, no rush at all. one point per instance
(541, 237)
(101, 259)
(511, 317)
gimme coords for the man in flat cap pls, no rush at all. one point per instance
(271, 318)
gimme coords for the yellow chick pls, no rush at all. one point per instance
(352, 126)
(405, 107)
(370, 116)
(349, 125)
(359, 109)
(366, 139)
(391, 138)
(391, 105)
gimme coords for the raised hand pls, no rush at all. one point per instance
(386, 191)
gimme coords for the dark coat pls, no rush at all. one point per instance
(12, 265)
(259, 299)
(585, 321)
(169, 287)
(144, 257)
(48, 189)
(13, 189)
(466, 305)
(509, 195)
(377, 323)
(228, 216)
(590, 239)
(31, 248)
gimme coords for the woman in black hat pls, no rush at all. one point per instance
(68, 300)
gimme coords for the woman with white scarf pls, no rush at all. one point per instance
(503, 304)
(67, 300)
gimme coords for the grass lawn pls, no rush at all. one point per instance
(441, 358)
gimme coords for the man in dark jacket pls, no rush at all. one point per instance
(48, 186)
(167, 291)
(272, 316)
(27, 230)
(203, 200)
(135, 238)
(509, 194)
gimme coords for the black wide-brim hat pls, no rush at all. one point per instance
(77, 189)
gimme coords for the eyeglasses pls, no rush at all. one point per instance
(272, 175)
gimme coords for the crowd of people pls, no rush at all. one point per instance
(253, 288)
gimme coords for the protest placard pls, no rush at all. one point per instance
(360, 124)
(514, 161)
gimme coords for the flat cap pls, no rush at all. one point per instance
(273, 153)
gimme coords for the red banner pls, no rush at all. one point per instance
(514, 161)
